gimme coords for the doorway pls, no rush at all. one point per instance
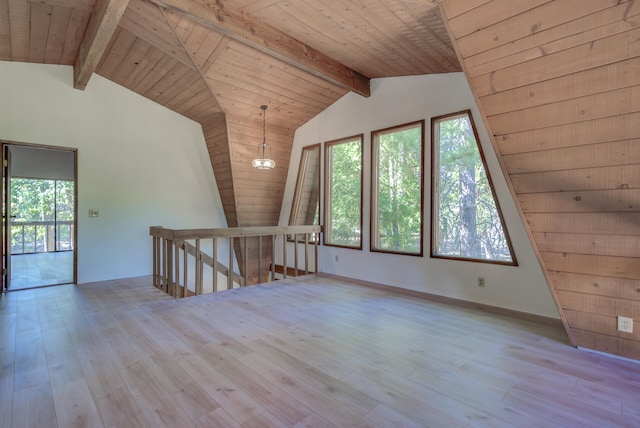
(39, 213)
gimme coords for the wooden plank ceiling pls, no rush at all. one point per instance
(203, 59)
(559, 85)
(217, 62)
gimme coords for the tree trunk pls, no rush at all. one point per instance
(469, 242)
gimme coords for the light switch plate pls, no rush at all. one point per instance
(94, 213)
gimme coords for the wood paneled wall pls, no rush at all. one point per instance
(558, 83)
(217, 140)
(258, 192)
(250, 197)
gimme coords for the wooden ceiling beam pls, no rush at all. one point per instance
(271, 41)
(103, 22)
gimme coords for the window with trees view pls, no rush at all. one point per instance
(343, 192)
(43, 213)
(396, 189)
(466, 220)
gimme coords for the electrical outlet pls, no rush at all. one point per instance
(625, 324)
(337, 258)
(480, 281)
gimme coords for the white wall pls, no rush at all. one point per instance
(395, 101)
(139, 163)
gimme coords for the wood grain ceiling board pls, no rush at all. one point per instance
(40, 21)
(77, 25)
(5, 31)
(19, 22)
(376, 38)
(201, 43)
(116, 51)
(60, 17)
(557, 83)
(266, 38)
(141, 67)
(81, 5)
(46, 31)
(432, 34)
(244, 79)
(146, 21)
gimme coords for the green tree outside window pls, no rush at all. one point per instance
(396, 195)
(467, 223)
(343, 192)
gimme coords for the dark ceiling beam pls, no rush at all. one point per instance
(271, 41)
(103, 22)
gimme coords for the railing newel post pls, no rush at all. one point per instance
(155, 262)
(316, 241)
(230, 270)
(245, 263)
(295, 254)
(306, 254)
(260, 259)
(197, 288)
(273, 257)
(170, 262)
(215, 264)
(284, 256)
(185, 261)
(177, 267)
(164, 265)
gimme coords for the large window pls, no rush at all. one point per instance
(466, 220)
(343, 192)
(305, 209)
(396, 189)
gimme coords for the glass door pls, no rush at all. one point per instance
(6, 216)
(39, 216)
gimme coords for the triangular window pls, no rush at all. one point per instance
(466, 221)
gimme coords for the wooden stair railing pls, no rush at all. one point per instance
(179, 258)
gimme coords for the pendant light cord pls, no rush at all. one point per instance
(264, 129)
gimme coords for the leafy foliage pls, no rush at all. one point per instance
(398, 216)
(467, 220)
(38, 205)
(345, 194)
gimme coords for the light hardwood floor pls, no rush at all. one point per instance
(313, 352)
(40, 269)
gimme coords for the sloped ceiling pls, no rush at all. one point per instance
(558, 83)
(217, 62)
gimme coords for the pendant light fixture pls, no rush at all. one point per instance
(264, 162)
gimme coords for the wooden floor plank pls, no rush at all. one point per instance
(75, 406)
(315, 351)
(236, 403)
(33, 407)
